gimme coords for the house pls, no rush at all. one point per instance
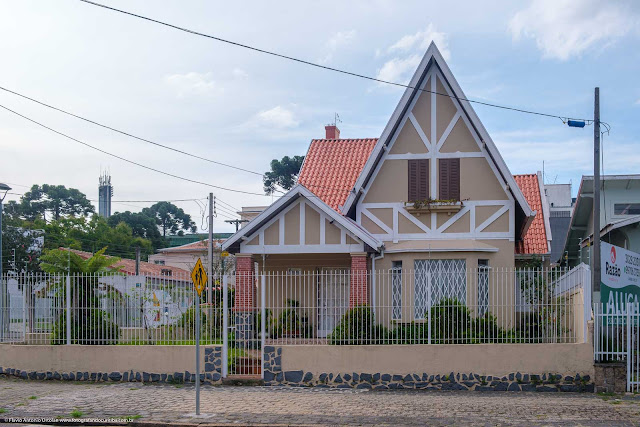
(186, 256)
(128, 266)
(619, 217)
(432, 197)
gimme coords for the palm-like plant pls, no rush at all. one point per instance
(89, 323)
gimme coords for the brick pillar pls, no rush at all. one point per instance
(359, 289)
(244, 297)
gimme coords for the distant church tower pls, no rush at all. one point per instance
(105, 192)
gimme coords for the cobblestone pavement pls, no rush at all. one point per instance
(274, 405)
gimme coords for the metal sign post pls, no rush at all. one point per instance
(199, 278)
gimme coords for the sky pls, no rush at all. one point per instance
(246, 108)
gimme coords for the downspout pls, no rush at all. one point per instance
(373, 279)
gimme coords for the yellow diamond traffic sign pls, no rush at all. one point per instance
(199, 277)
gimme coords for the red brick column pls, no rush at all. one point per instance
(359, 289)
(244, 297)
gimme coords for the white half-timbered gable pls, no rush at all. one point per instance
(435, 150)
(299, 222)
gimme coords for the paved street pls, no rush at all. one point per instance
(260, 405)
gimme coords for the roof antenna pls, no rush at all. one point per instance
(336, 119)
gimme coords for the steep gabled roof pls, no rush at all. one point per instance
(433, 58)
(331, 167)
(232, 244)
(536, 240)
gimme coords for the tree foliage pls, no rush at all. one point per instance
(141, 225)
(53, 200)
(283, 173)
(89, 323)
(170, 218)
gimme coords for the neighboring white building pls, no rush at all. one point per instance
(186, 256)
(560, 210)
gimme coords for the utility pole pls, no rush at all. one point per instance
(596, 277)
(210, 252)
(138, 261)
(237, 222)
(4, 290)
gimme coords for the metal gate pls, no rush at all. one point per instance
(617, 338)
(242, 339)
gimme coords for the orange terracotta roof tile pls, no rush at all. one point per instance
(128, 266)
(332, 167)
(535, 241)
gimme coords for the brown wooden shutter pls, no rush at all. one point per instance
(423, 185)
(449, 179)
(413, 180)
(418, 179)
(454, 179)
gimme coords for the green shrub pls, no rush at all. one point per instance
(91, 328)
(450, 322)
(357, 327)
(409, 333)
(290, 322)
(485, 329)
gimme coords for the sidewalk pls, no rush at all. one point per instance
(299, 406)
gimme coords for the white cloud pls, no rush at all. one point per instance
(339, 39)
(408, 52)
(398, 69)
(566, 28)
(239, 73)
(192, 83)
(421, 41)
(277, 117)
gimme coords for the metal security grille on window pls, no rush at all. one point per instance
(396, 292)
(448, 280)
(483, 290)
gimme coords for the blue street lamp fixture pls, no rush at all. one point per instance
(576, 123)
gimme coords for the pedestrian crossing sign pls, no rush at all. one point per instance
(199, 277)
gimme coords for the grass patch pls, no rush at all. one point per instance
(2, 410)
(33, 397)
(76, 413)
(134, 388)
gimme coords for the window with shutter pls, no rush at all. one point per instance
(418, 179)
(449, 179)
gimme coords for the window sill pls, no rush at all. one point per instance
(448, 208)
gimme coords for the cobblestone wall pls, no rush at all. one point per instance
(212, 373)
(516, 381)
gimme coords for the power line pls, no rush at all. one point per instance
(128, 134)
(324, 67)
(127, 160)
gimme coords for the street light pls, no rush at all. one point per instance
(4, 291)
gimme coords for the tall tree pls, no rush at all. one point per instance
(170, 218)
(141, 225)
(283, 173)
(56, 200)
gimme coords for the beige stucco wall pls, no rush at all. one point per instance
(481, 359)
(93, 358)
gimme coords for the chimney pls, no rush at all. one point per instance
(332, 132)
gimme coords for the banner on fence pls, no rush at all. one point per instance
(620, 283)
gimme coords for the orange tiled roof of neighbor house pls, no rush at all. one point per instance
(332, 166)
(128, 266)
(535, 241)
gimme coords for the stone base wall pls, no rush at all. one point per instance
(516, 381)
(244, 326)
(211, 374)
(611, 377)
